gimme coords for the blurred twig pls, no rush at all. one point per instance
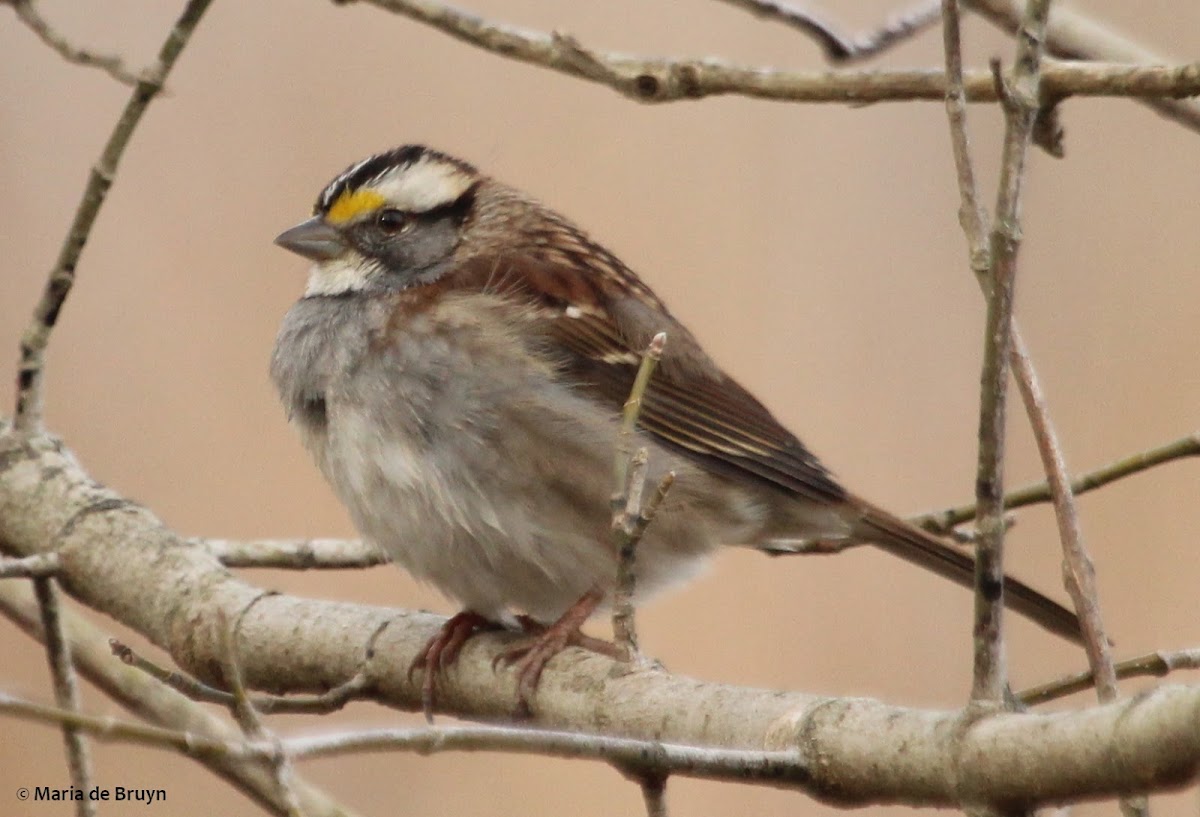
(66, 689)
(1188, 446)
(31, 567)
(62, 277)
(108, 63)
(839, 47)
(148, 698)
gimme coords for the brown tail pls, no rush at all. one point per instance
(912, 544)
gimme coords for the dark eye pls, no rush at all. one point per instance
(391, 220)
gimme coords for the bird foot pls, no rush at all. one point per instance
(531, 654)
(442, 650)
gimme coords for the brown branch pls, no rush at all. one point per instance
(971, 214)
(195, 690)
(630, 517)
(1156, 664)
(1189, 446)
(839, 47)
(1073, 35)
(1078, 570)
(1021, 104)
(1079, 573)
(648, 79)
(62, 277)
(66, 689)
(629, 417)
(108, 63)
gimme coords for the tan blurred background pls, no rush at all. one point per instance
(815, 249)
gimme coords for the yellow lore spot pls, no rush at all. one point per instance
(351, 204)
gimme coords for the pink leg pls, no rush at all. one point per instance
(531, 655)
(442, 650)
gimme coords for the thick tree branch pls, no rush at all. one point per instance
(117, 558)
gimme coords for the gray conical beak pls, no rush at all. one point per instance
(313, 239)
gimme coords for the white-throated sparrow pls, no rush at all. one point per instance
(457, 367)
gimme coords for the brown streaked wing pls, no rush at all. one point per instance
(603, 321)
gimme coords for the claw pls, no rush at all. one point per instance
(442, 651)
(531, 655)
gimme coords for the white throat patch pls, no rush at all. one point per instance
(348, 273)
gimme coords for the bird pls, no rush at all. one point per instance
(457, 366)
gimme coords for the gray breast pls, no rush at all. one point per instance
(321, 339)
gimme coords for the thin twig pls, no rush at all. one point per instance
(1155, 664)
(145, 697)
(649, 79)
(839, 47)
(691, 761)
(1072, 35)
(1020, 99)
(1189, 446)
(971, 214)
(1079, 573)
(623, 624)
(28, 415)
(108, 63)
(115, 729)
(629, 535)
(31, 567)
(629, 518)
(330, 701)
(250, 722)
(629, 416)
(66, 690)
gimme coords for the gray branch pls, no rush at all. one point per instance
(651, 79)
(119, 559)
